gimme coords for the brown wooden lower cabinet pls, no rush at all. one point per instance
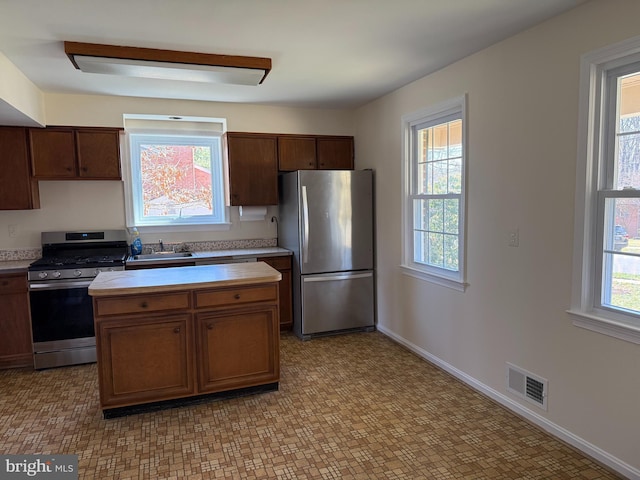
(160, 264)
(235, 349)
(16, 349)
(144, 359)
(155, 347)
(283, 265)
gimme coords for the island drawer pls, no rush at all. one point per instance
(236, 296)
(141, 303)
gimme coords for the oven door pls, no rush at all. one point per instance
(62, 317)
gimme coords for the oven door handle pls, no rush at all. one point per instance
(60, 285)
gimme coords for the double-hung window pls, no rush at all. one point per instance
(434, 193)
(607, 273)
(175, 178)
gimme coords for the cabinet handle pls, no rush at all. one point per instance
(176, 330)
(84, 169)
(209, 326)
(237, 296)
(144, 304)
(68, 169)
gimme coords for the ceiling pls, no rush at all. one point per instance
(326, 53)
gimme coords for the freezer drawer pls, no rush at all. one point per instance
(336, 301)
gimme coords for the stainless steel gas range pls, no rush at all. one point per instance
(61, 308)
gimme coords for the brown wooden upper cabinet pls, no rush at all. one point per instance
(252, 167)
(98, 153)
(335, 153)
(75, 153)
(296, 153)
(18, 191)
(314, 152)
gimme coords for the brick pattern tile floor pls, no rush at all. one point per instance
(354, 406)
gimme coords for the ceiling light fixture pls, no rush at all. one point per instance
(167, 64)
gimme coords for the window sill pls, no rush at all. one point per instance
(182, 228)
(427, 277)
(606, 326)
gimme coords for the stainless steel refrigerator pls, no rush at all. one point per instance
(326, 220)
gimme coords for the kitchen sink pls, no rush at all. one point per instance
(162, 255)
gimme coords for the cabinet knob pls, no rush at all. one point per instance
(237, 296)
(5, 283)
(84, 169)
(209, 326)
(176, 330)
(69, 169)
(144, 304)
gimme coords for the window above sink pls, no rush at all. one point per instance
(173, 172)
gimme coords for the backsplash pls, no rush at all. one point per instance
(35, 253)
(22, 254)
(212, 245)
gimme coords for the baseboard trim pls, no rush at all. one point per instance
(17, 361)
(557, 431)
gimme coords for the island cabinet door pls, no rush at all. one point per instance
(145, 359)
(237, 348)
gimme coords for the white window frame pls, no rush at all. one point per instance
(433, 115)
(131, 175)
(593, 132)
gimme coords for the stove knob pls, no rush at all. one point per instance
(43, 275)
(77, 273)
(56, 274)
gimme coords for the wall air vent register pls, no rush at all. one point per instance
(527, 386)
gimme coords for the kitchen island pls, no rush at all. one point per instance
(164, 335)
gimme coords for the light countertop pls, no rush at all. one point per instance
(21, 266)
(129, 282)
(244, 252)
(218, 255)
(15, 266)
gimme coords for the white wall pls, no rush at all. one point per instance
(21, 102)
(522, 124)
(70, 205)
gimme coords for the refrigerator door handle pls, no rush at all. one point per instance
(305, 225)
(329, 278)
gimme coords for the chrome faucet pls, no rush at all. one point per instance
(161, 245)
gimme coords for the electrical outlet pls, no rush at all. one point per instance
(514, 237)
(13, 231)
